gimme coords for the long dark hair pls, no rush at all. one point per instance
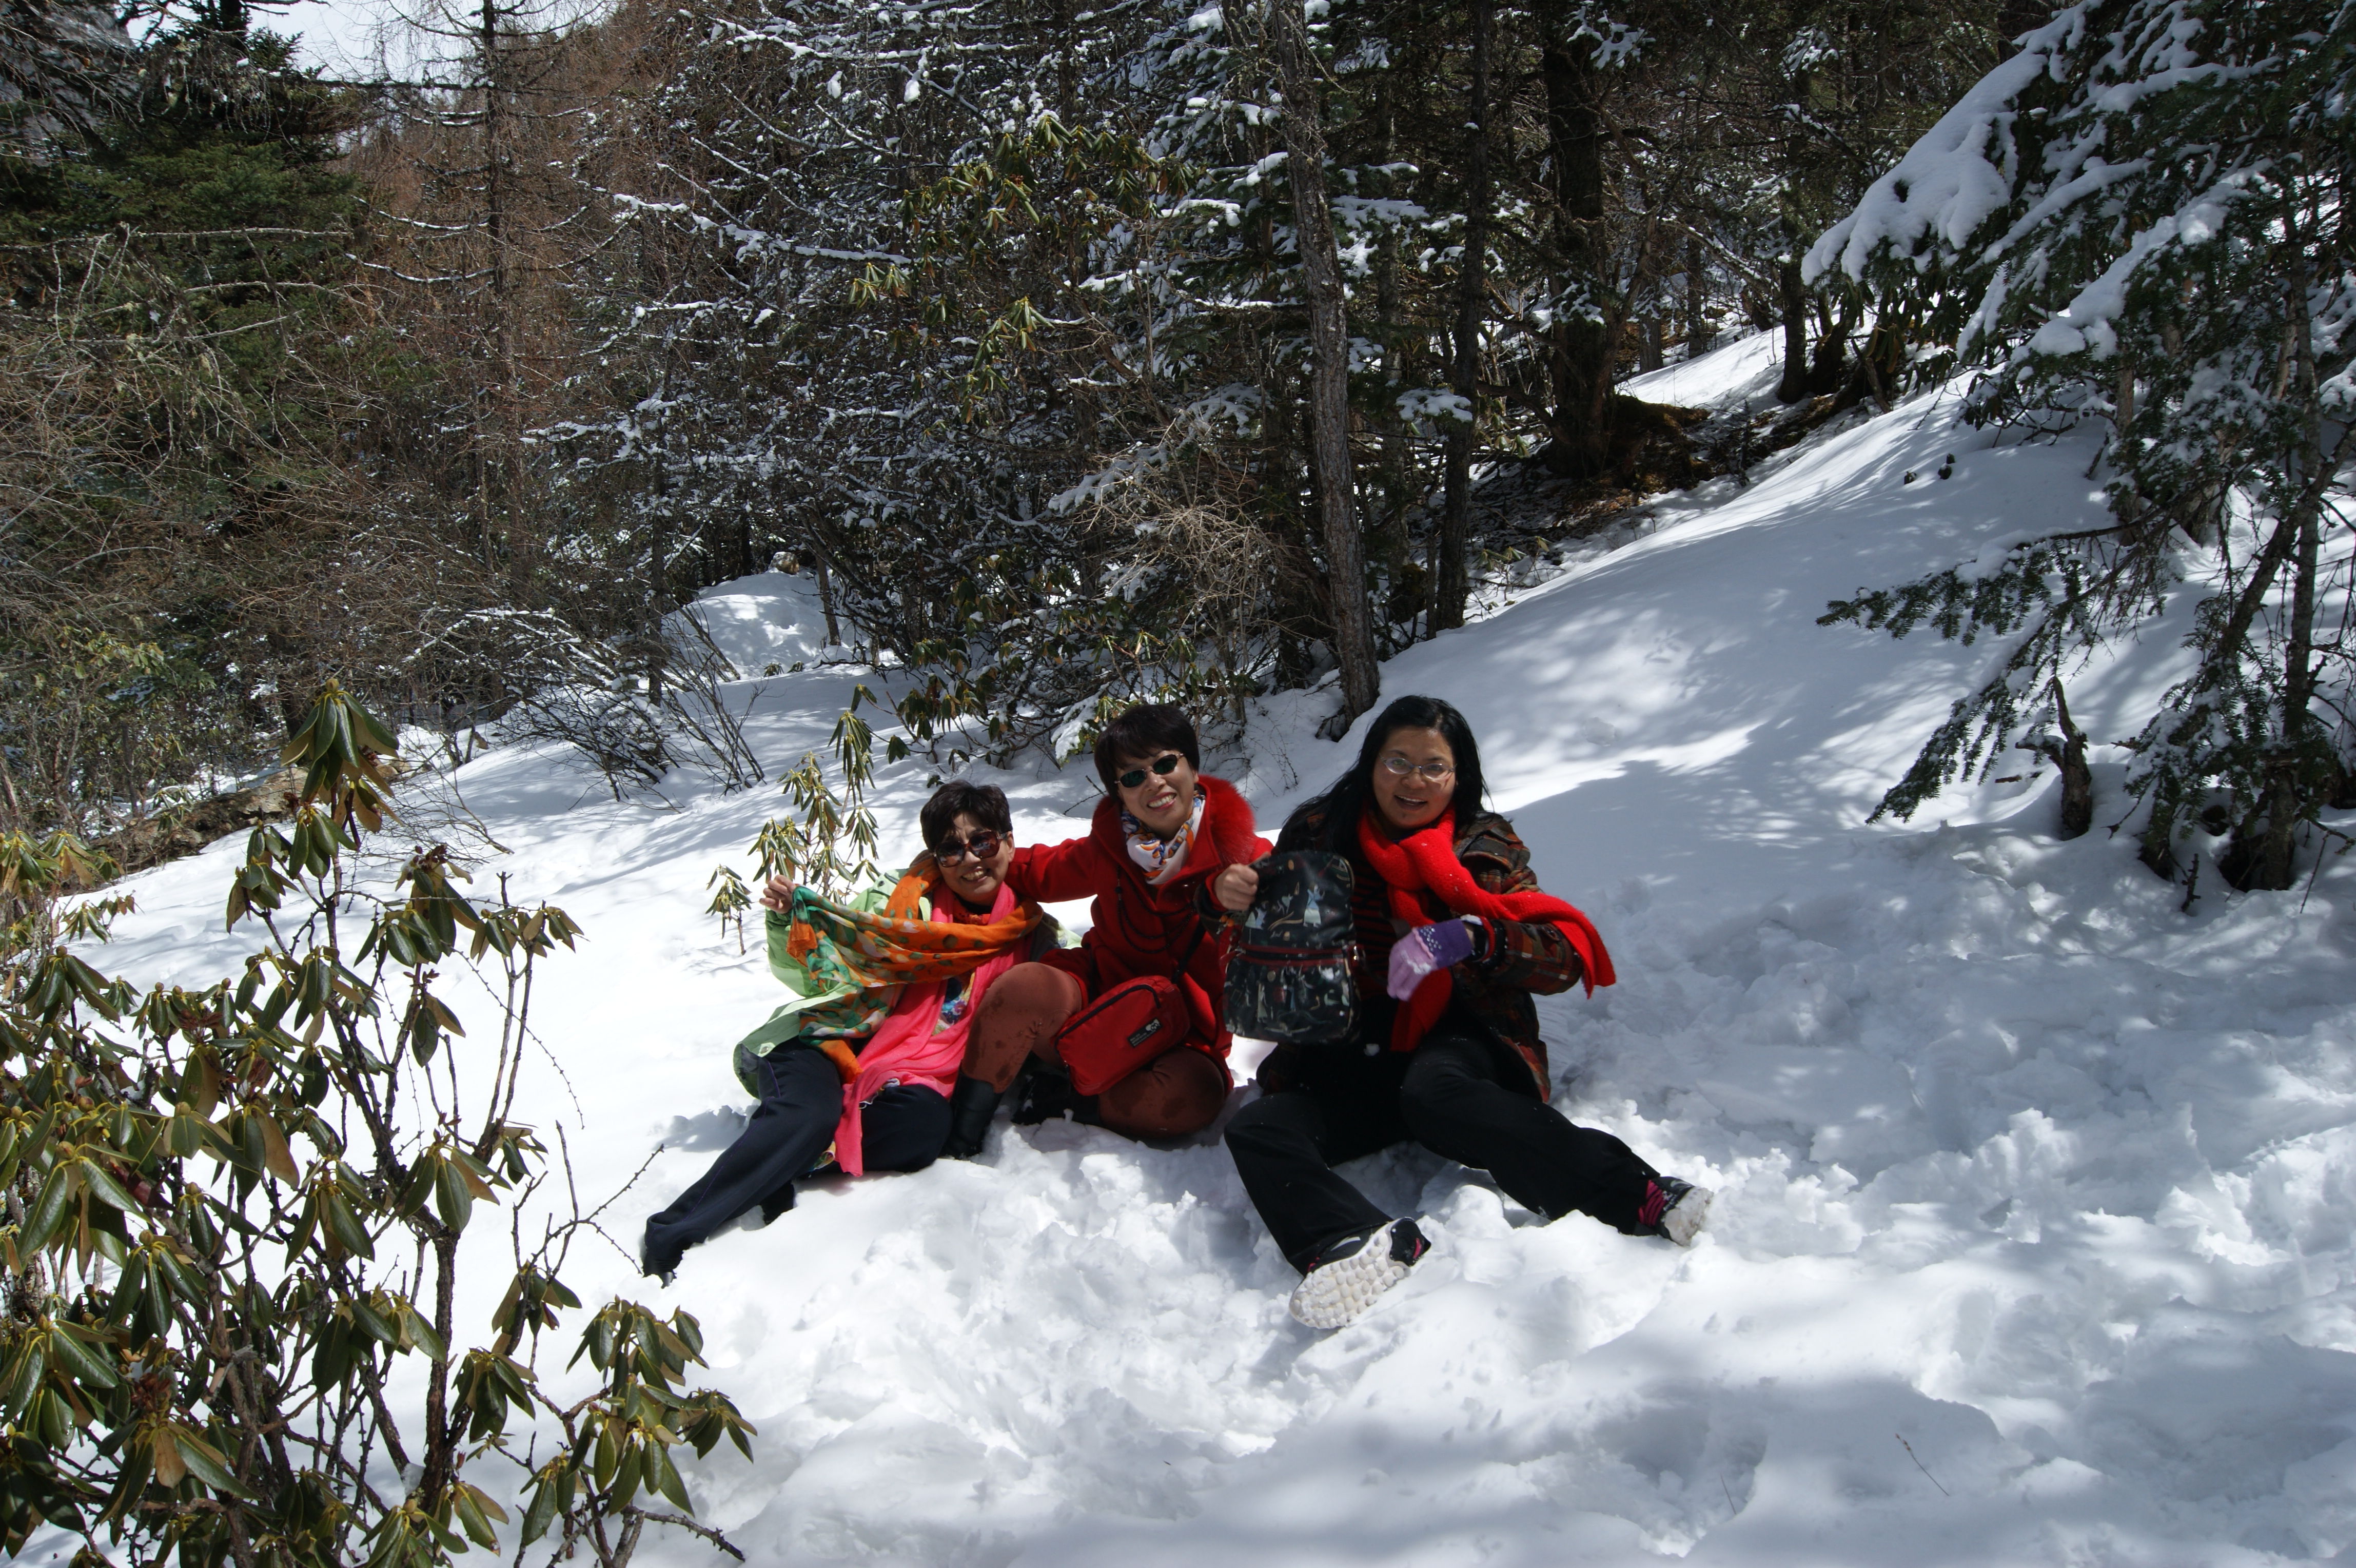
(1338, 808)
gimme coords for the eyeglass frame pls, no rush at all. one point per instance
(1161, 766)
(954, 850)
(1397, 765)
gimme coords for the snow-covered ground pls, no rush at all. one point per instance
(2037, 1229)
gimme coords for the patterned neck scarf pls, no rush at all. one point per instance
(1162, 859)
(859, 958)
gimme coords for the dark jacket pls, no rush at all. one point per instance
(1517, 959)
(1139, 928)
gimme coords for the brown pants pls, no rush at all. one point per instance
(1019, 1016)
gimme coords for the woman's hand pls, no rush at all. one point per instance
(777, 896)
(1440, 945)
(1235, 887)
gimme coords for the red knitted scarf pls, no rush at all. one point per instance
(1426, 860)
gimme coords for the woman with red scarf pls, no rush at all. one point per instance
(1453, 937)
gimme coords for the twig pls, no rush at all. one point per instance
(1918, 1465)
(1730, 1509)
(689, 1525)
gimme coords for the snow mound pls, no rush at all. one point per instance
(1737, 375)
(768, 618)
(2036, 1234)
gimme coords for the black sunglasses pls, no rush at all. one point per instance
(981, 847)
(1163, 765)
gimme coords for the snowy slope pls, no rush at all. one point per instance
(2036, 1234)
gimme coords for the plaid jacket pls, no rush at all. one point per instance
(1518, 959)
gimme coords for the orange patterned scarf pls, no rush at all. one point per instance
(900, 946)
(861, 960)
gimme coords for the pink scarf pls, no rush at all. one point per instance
(913, 1045)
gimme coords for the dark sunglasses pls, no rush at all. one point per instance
(1162, 767)
(981, 847)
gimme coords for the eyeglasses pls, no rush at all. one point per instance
(1162, 767)
(1398, 767)
(981, 847)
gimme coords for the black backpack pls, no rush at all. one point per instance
(1289, 973)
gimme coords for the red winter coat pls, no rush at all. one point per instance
(1141, 930)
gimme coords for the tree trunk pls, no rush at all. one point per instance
(826, 601)
(1582, 342)
(2287, 803)
(2287, 799)
(1329, 357)
(2077, 778)
(1793, 386)
(1407, 596)
(506, 394)
(1696, 301)
(1450, 583)
(658, 565)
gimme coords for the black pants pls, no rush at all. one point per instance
(1449, 1095)
(901, 1129)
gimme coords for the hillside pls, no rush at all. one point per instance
(2036, 1240)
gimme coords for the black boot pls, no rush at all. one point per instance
(656, 1262)
(1047, 1095)
(971, 1105)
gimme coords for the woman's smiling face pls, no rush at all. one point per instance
(975, 878)
(1162, 801)
(1405, 796)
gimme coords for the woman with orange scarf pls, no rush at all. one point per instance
(869, 1069)
(1453, 937)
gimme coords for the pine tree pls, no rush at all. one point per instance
(2139, 219)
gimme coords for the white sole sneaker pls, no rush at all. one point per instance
(1332, 1294)
(1683, 1219)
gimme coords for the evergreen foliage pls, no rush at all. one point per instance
(994, 317)
(1023, 291)
(2139, 219)
(222, 1226)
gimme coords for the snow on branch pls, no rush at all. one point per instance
(1953, 179)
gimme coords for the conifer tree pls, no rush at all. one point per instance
(2139, 219)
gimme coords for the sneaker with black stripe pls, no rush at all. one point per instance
(1350, 1271)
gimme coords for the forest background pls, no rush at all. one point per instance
(1000, 319)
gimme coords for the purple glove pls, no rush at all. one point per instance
(1425, 949)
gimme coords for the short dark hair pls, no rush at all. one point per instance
(1339, 808)
(985, 803)
(1141, 733)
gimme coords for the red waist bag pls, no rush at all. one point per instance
(1122, 1030)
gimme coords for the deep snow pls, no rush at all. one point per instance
(2035, 1237)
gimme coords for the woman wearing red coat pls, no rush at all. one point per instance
(1165, 860)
